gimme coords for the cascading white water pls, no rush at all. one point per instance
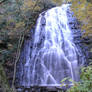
(53, 55)
(54, 52)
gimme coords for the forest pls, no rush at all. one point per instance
(18, 17)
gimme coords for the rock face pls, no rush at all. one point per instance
(87, 42)
(84, 42)
(78, 40)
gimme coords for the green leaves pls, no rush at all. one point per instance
(85, 85)
(63, 82)
(3, 80)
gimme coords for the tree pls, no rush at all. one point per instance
(83, 11)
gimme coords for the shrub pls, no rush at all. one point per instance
(85, 85)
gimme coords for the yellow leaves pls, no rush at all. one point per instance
(59, 2)
(20, 24)
(37, 8)
(16, 30)
(88, 30)
(28, 4)
(83, 11)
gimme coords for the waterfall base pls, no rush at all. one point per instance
(44, 88)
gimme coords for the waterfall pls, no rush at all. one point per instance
(54, 55)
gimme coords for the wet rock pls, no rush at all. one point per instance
(40, 89)
(90, 55)
(87, 40)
